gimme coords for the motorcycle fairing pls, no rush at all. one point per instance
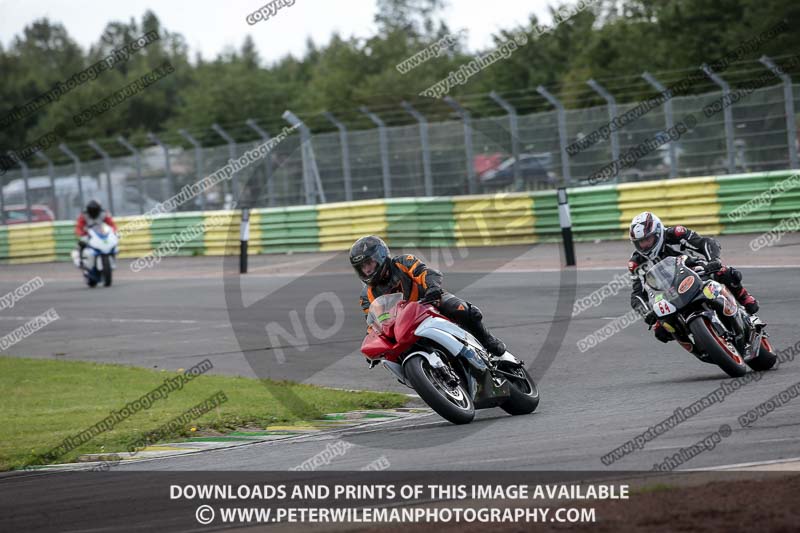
(485, 390)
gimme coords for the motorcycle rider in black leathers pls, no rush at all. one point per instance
(653, 242)
(384, 274)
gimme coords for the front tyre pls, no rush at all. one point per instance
(766, 357)
(106, 274)
(453, 404)
(524, 397)
(721, 352)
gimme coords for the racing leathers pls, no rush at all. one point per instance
(679, 240)
(410, 276)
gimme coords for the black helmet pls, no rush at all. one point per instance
(370, 258)
(93, 208)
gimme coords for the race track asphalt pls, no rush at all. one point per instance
(184, 310)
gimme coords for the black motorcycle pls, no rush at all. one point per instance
(705, 318)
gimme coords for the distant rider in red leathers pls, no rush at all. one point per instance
(93, 215)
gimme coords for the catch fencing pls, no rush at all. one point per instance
(451, 158)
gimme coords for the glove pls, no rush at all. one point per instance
(432, 294)
(663, 335)
(650, 318)
(708, 268)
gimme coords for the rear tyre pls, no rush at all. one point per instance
(524, 392)
(454, 405)
(106, 274)
(721, 352)
(765, 359)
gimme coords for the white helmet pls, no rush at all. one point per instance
(647, 234)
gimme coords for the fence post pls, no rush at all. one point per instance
(562, 131)
(612, 114)
(107, 163)
(52, 174)
(466, 117)
(348, 178)
(514, 125)
(311, 180)
(25, 175)
(426, 146)
(234, 187)
(69, 153)
(167, 164)
(727, 113)
(267, 161)
(198, 163)
(2, 200)
(124, 142)
(384, 144)
(668, 119)
(788, 99)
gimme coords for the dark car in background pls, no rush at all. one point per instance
(535, 172)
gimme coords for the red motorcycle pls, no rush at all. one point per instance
(446, 365)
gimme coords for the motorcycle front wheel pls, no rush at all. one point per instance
(451, 403)
(720, 351)
(106, 270)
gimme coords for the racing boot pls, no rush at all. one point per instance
(732, 279)
(493, 345)
(746, 299)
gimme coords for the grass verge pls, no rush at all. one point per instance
(46, 401)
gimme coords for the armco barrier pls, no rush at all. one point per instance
(736, 191)
(600, 212)
(691, 202)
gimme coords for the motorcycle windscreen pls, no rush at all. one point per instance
(382, 309)
(102, 230)
(670, 284)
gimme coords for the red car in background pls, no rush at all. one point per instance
(17, 214)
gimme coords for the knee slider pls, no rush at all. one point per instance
(475, 313)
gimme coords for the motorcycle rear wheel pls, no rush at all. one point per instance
(524, 393)
(725, 356)
(457, 407)
(765, 359)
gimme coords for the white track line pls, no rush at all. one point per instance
(106, 319)
(736, 466)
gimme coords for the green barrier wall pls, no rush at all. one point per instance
(710, 205)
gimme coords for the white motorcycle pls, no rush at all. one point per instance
(98, 259)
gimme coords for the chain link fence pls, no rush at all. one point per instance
(127, 186)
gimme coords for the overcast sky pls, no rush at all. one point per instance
(210, 25)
